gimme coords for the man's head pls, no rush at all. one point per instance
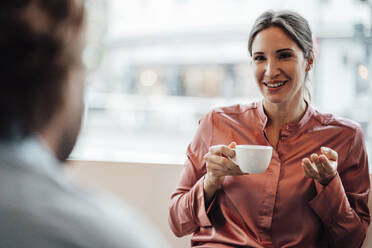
(41, 71)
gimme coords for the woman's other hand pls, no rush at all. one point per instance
(218, 166)
(323, 167)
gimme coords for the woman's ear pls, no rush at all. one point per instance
(310, 61)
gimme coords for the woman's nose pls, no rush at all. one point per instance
(271, 69)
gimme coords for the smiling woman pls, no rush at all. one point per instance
(299, 48)
(318, 171)
(280, 70)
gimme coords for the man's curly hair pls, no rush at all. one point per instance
(38, 48)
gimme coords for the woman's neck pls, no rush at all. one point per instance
(282, 113)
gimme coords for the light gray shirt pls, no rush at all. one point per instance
(40, 208)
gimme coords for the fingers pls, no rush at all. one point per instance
(326, 164)
(218, 160)
(313, 157)
(330, 167)
(223, 150)
(320, 167)
(218, 163)
(329, 153)
(221, 166)
(223, 163)
(232, 145)
(309, 169)
(317, 163)
(323, 164)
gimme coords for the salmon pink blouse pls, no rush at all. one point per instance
(280, 207)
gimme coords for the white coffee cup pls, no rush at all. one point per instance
(252, 158)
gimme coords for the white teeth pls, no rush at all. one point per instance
(274, 85)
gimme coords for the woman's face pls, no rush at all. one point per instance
(279, 66)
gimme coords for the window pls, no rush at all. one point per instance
(158, 66)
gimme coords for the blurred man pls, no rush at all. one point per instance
(41, 106)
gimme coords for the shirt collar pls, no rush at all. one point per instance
(31, 153)
(261, 114)
(289, 126)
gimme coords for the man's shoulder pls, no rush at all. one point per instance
(43, 209)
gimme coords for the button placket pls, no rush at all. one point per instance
(284, 133)
(266, 215)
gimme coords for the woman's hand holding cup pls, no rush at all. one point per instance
(218, 166)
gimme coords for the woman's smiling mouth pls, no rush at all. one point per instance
(275, 84)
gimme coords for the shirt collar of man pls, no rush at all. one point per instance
(30, 153)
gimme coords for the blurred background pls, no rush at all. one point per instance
(156, 67)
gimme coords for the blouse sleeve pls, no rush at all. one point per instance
(187, 210)
(342, 205)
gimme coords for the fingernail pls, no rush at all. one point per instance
(325, 149)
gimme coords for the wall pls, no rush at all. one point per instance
(147, 187)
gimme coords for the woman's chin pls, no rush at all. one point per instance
(274, 99)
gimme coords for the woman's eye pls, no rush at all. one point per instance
(285, 55)
(259, 58)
